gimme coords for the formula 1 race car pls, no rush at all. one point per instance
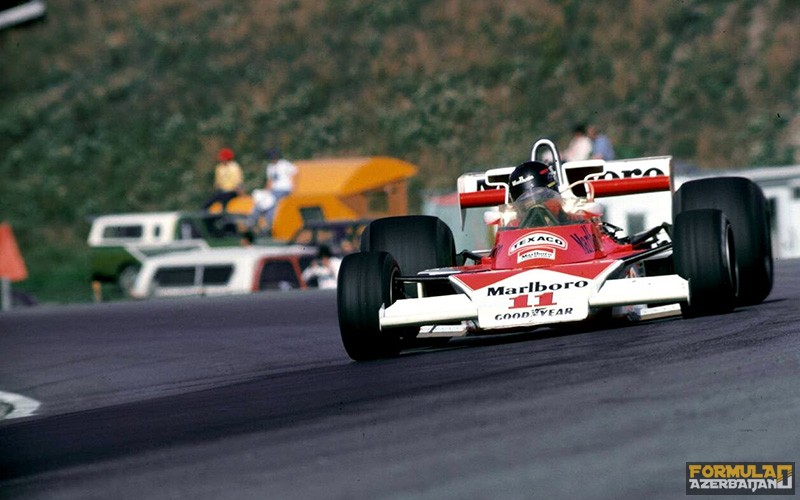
(554, 260)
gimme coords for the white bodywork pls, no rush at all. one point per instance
(514, 301)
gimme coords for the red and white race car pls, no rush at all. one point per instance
(554, 260)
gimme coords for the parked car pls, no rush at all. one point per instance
(119, 243)
(223, 271)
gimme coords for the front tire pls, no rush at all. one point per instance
(704, 254)
(745, 206)
(366, 282)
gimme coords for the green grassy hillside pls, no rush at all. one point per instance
(118, 106)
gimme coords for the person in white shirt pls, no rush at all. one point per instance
(580, 146)
(263, 205)
(280, 174)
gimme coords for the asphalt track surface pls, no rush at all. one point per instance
(253, 397)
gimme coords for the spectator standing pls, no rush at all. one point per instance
(601, 144)
(228, 179)
(280, 180)
(580, 146)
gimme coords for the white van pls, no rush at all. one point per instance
(223, 271)
(120, 242)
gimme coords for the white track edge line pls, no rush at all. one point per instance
(21, 406)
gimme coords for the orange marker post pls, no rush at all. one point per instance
(12, 265)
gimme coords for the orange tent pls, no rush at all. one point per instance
(338, 188)
(12, 266)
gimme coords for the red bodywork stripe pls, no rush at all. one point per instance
(620, 187)
(485, 198)
(602, 187)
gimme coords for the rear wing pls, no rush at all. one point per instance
(576, 179)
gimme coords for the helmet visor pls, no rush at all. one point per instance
(538, 196)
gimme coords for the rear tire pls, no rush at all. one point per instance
(745, 206)
(418, 242)
(704, 253)
(365, 283)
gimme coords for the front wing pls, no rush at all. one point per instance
(496, 300)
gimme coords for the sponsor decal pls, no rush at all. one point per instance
(536, 254)
(534, 313)
(533, 287)
(636, 172)
(587, 241)
(538, 239)
(740, 478)
(517, 182)
(544, 307)
(535, 303)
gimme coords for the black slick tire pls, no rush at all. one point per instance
(365, 283)
(417, 242)
(704, 254)
(745, 206)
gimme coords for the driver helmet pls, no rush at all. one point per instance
(530, 178)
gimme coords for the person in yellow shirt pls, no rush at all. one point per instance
(228, 179)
